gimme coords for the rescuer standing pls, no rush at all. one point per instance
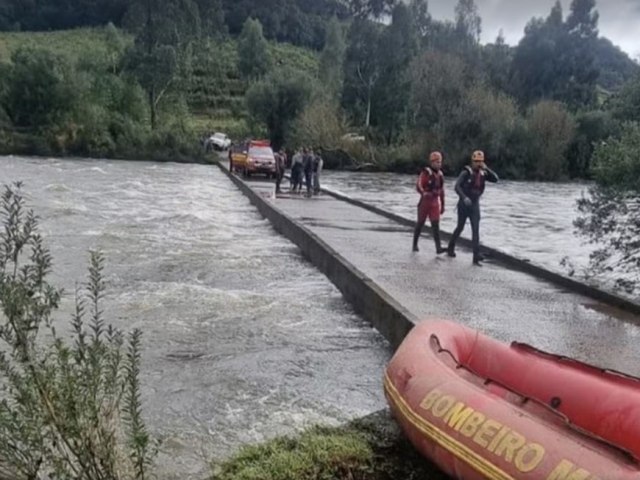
(430, 186)
(470, 187)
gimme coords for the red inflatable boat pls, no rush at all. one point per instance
(483, 409)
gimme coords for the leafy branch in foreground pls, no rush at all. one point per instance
(68, 410)
(610, 215)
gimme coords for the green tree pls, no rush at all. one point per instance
(554, 60)
(582, 31)
(614, 65)
(468, 22)
(40, 89)
(610, 215)
(330, 71)
(321, 124)
(483, 119)
(277, 100)
(211, 18)
(583, 19)
(116, 46)
(625, 105)
(69, 409)
(438, 86)
(536, 64)
(398, 47)
(442, 36)
(592, 128)
(164, 30)
(5, 71)
(362, 69)
(254, 60)
(553, 129)
(6, 16)
(370, 8)
(497, 58)
(421, 18)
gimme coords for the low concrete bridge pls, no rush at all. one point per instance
(367, 254)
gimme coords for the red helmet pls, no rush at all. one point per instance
(433, 156)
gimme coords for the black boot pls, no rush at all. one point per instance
(416, 236)
(435, 227)
(477, 260)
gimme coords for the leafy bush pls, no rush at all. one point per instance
(610, 215)
(321, 124)
(40, 90)
(277, 100)
(68, 409)
(552, 128)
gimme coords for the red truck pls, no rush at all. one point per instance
(253, 156)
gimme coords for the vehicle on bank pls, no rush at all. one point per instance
(218, 141)
(253, 157)
(353, 137)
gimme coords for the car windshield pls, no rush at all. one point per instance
(261, 151)
(219, 136)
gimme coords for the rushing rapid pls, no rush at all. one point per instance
(243, 339)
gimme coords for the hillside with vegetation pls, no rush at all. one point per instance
(164, 73)
(146, 79)
(215, 97)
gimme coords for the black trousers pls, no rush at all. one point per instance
(308, 177)
(279, 177)
(473, 214)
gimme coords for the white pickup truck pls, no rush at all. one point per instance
(218, 141)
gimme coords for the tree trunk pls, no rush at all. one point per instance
(368, 119)
(152, 106)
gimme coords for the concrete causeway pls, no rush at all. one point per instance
(504, 303)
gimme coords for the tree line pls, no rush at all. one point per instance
(387, 70)
(418, 83)
(301, 22)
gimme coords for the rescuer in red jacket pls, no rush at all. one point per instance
(430, 186)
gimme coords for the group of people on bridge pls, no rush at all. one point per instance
(305, 165)
(469, 187)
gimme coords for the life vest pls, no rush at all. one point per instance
(434, 182)
(473, 186)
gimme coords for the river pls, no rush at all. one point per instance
(243, 338)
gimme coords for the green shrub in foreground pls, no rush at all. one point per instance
(68, 410)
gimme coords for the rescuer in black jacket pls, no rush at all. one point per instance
(470, 187)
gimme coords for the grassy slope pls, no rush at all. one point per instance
(217, 95)
(70, 43)
(372, 448)
(216, 98)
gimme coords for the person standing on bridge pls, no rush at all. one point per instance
(430, 186)
(318, 163)
(307, 165)
(296, 172)
(470, 187)
(281, 165)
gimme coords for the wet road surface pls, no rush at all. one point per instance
(503, 303)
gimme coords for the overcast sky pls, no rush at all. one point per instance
(619, 19)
